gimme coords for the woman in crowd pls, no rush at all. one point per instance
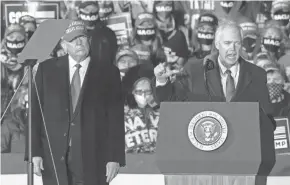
(146, 37)
(250, 45)
(166, 23)
(205, 32)
(278, 96)
(272, 39)
(262, 59)
(13, 43)
(141, 115)
(126, 59)
(29, 23)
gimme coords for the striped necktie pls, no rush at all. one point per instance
(230, 86)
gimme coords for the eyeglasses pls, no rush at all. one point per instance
(141, 92)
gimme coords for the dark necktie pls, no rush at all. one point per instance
(230, 86)
(76, 86)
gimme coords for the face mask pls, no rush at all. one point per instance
(282, 17)
(145, 34)
(89, 18)
(104, 12)
(227, 5)
(249, 44)
(29, 34)
(205, 37)
(15, 47)
(272, 45)
(141, 100)
(275, 90)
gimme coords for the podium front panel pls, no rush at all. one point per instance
(239, 154)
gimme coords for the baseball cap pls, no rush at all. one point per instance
(177, 45)
(207, 18)
(127, 52)
(27, 19)
(144, 17)
(14, 28)
(75, 29)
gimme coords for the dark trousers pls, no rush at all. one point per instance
(74, 172)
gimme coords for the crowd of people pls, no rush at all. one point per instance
(162, 35)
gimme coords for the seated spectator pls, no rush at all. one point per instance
(275, 81)
(205, 28)
(125, 59)
(146, 33)
(141, 115)
(13, 124)
(29, 23)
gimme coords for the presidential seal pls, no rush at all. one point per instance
(207, 130)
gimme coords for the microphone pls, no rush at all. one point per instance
(208, 65)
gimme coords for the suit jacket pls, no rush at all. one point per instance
(101, 112)
(198, 85)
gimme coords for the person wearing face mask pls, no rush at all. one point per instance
(271, 41)
(275, 81)
(204, 35)
(166, 23)
(106, 9)
(104, 40)
(126, 59)
(141, 110)
(280, 12)
(29, 23)
(13, 43)
(235, 9)
(146, 34)
(176, 54)
(250, 38)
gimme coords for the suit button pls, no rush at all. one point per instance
(62, 158)
(66, 110)
(65, 135)
(72, 124)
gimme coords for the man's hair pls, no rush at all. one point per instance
(224, 24)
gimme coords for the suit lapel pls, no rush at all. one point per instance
(214, 81)
(243, 81)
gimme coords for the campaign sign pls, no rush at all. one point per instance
(40, 10)
(282, 136)
(121, 24)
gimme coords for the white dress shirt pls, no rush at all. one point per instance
(235, 72)
(84, 66)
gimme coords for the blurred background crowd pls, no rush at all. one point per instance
(141, 34)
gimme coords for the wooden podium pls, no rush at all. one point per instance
(246, 157)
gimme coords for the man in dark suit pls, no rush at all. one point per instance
(80, 138)
(222, 76)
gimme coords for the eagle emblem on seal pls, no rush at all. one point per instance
(207, 130)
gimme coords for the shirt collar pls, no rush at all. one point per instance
(83, 63)
(234, 69)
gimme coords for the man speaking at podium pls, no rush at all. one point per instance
(80, 138)
(221, 76)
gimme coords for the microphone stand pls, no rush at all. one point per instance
(29, 63)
